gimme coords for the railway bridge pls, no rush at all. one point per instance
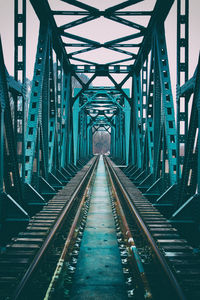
(99, 151)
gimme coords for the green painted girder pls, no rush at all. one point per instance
(144, 89)
(11, 209)
(190, 179)
(85, 87)
(1, 146)
(2, 111)
(34, 115)
(20, 74)
(59, 100)
(127, 130)
(65, 118)
(113, 142)
(52, 147)
(149, 119)
(119, 69)
(145, 136)
(97, 104)
(76, 127)
(101, 123)
(44, 115)
(153, 128)
(45, 16)
(9, 168)
(167, 101)
(158, 118)
(101, 92)
(132, 157)
(137, 110)
(89, 135)
(182, 100)
(83, 134)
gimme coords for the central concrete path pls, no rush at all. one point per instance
(99, 270)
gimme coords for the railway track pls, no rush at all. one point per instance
(155, 262)
(170, 264)
(32, 255)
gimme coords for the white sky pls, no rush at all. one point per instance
(100, 30)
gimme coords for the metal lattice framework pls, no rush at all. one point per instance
(43, 134)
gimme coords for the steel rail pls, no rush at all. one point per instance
(127, 232)
(28, 274)
(168, 272)
(61, 260)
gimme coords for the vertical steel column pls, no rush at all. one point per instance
(65, 124)
(182, 77)
(32, 144)
(113, 140)
(137, 118)
(132, 127)
(120, 140)
(45, 112)
(122, 137)
(69, 120)
(76, 127)
(131, 143)
(167, 103)
(59, 78)
(85, 135)
(20, 75)
(116, 134)
(144, 98)
(1, 146)
(127, 129)
(189, 182)
(157, 117)
(144, 111)
(82, 148)
(90, 145)
(2, 109)
(198, 143)
(81, 135)
(149, 117)
(89, 141)
(53, 110)
(9, 154)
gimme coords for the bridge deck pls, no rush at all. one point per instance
(99, 272)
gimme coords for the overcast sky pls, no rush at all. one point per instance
(101, 30)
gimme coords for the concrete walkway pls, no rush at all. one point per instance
(99, 270)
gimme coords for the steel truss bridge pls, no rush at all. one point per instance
(42, 139)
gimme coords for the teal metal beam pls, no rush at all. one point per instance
(168, 104)
(34, 116)
(76, 127)
(10, 173)
(182, 77)
(20, 105)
